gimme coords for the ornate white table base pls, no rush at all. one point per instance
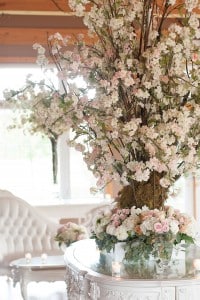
(85, 284)
(75, 282)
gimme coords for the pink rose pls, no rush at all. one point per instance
(158, 227)
(116, 223)
(115, 218)
(165, 227)
(122, 216)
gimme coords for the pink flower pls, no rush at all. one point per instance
(126, 211)
(122, 216)
(195, 57)
(158, 227)
(165, 227)
(116, 223)
(81, 236)
(146, 215)
(164, 79)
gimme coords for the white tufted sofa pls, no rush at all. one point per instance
(22, 230)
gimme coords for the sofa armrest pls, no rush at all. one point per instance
(3, 248)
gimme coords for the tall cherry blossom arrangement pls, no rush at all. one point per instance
(141, 127)
(38, 108)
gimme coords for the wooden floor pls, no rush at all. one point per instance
(36, 291)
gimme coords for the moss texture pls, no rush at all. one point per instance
(149, 193)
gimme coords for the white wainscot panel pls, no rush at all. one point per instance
(105, 292)
(191, 292)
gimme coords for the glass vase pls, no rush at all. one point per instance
(163, 259)
(119, 252)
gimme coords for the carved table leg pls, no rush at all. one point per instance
(94, 291)
(15, 274)
(23, 284)
(75, 285)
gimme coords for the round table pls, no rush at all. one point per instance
(52, 268)
(89, 277)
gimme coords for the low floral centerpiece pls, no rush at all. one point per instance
(144, 232)
(69, 233)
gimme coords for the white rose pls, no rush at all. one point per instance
(135, 211)
(143, 228)
(121, 233)
(105, 220)
(130, 222)
(99, 229)
(174, 226)
(110, 229)
(149, 223)
(107, 213)
(191, 229)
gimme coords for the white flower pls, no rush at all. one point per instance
(110, 229)
(116, 23)
(174, 226)
(130, 222)
(121, 233)
(135, 210)
(142, 94)
(192, 228)
(147, 225)
(191, 4)
(164, 182)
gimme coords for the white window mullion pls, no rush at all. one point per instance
(64, 167)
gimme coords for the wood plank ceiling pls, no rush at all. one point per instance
(25, 22)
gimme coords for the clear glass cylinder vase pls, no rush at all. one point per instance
(170, 261)
(163, 259)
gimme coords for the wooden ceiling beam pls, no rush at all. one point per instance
(18, 33)
(40, 21)
(23, 36)
(37, 5)
(23, 23)
(36, 13)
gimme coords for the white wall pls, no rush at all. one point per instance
(69, 210)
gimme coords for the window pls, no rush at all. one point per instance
(178, 195)
(25, 160)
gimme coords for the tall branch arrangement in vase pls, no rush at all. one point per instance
(38, 108)
(141, 127)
